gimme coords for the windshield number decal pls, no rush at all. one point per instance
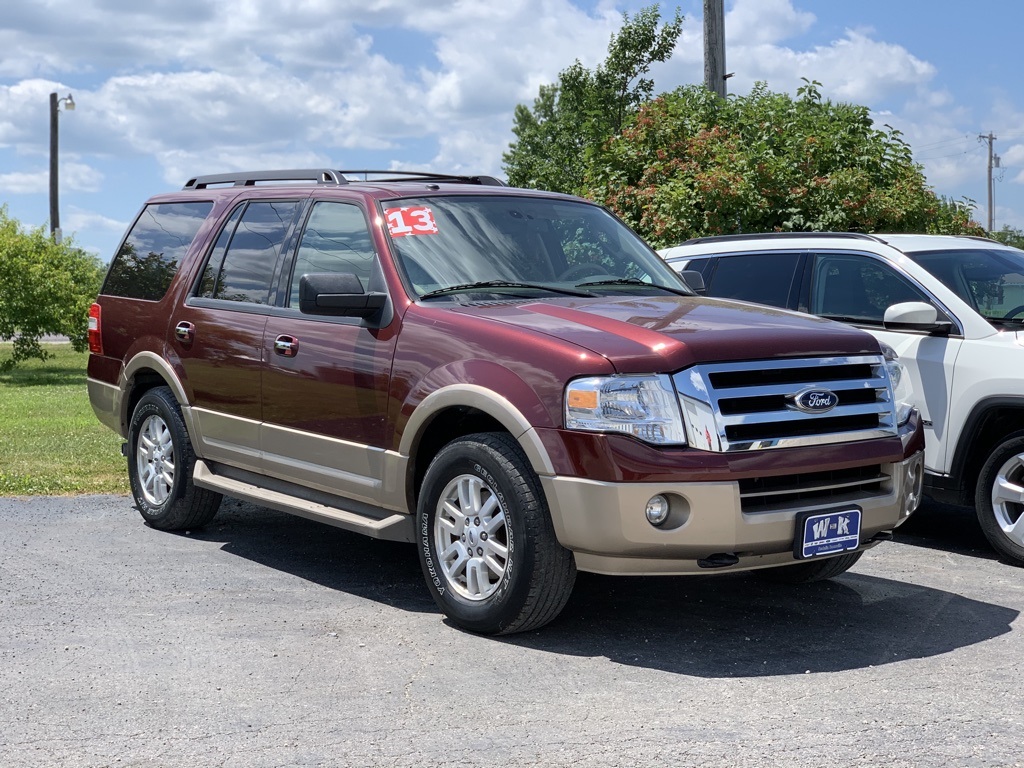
(411, 220)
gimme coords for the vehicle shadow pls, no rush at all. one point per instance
(740, 626)
(384, 571)
(947, 528)
(731, 625)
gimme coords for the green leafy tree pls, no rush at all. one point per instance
(45, 288)
(1010, 236)
(572, 119)
(692, 164)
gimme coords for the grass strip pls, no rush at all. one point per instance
(50, 441)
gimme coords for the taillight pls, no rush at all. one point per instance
(95, 330)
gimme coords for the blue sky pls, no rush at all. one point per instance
(170, 89)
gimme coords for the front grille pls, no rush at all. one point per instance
(764, 494)
(754, 405)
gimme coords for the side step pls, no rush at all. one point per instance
(395, 527)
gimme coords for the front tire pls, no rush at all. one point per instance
(160, 462)
(486, 543)
(810, 570)
(999, 499)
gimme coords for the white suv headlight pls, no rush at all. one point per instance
(645, 407)
(902, 388)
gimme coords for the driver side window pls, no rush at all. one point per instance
(858, 288)
(336, 239)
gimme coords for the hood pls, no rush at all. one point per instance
(668, 333)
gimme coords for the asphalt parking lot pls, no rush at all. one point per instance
(268, 640)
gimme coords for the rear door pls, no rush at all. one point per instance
(218, 333)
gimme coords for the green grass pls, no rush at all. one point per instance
(50, 441)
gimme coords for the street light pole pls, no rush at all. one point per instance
(55, 102)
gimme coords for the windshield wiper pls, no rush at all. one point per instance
(485, 284)
(635, 281)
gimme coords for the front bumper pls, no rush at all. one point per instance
(604, 523)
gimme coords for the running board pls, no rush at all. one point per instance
(395, 527)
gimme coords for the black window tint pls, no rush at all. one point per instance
(247, 270)
(208, 282)
(764, 278)
(336, 240)
(858, 288)
(149, 258)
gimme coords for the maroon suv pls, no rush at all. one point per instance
(510, 379)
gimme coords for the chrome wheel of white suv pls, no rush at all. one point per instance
(1000, 498)
(1008, 498)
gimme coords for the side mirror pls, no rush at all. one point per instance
(694, 279)
(339, 295)
(915, 316)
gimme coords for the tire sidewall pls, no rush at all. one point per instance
(151, 404)
(467, 457)
(1008, 549)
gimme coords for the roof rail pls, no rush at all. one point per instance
(328, 176)
(782, 236)
(489, 181)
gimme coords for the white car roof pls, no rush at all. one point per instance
(910, 243)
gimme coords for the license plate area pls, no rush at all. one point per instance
(826, 532)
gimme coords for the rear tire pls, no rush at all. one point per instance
(486, 543)
(999, 499)
(810, 570)
(160, 463)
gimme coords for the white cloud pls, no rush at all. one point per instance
(758, 22)
(24, 182)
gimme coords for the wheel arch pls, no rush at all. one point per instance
(459, 410)
(144, 372)
(991, 420)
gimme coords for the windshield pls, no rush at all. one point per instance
(991, 281)
(516, 247)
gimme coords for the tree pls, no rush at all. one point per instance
(45, 288)
(693, 164)
(573, 118)
(1010, 236)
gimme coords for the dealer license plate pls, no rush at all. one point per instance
(827, 533)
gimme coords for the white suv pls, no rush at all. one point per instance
(951, 307)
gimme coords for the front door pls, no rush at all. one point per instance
(326, 379)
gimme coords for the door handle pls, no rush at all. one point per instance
(286, 346)
(185, 332)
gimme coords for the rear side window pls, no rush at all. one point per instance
(763, 278)
(151, 254)
(244, 270)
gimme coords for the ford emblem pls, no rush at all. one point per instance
(814, 400)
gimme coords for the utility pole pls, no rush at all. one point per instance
(714, 46)
(993, 162)
(69, 104)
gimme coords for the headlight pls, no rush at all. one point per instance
(902, 388)
(645, 407)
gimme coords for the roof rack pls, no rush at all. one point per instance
(329, 176)
(782, 236)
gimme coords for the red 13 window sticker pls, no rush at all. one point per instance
(411, 220)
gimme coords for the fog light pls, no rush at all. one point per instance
(657, 510)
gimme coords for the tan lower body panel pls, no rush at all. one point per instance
(605, 526)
